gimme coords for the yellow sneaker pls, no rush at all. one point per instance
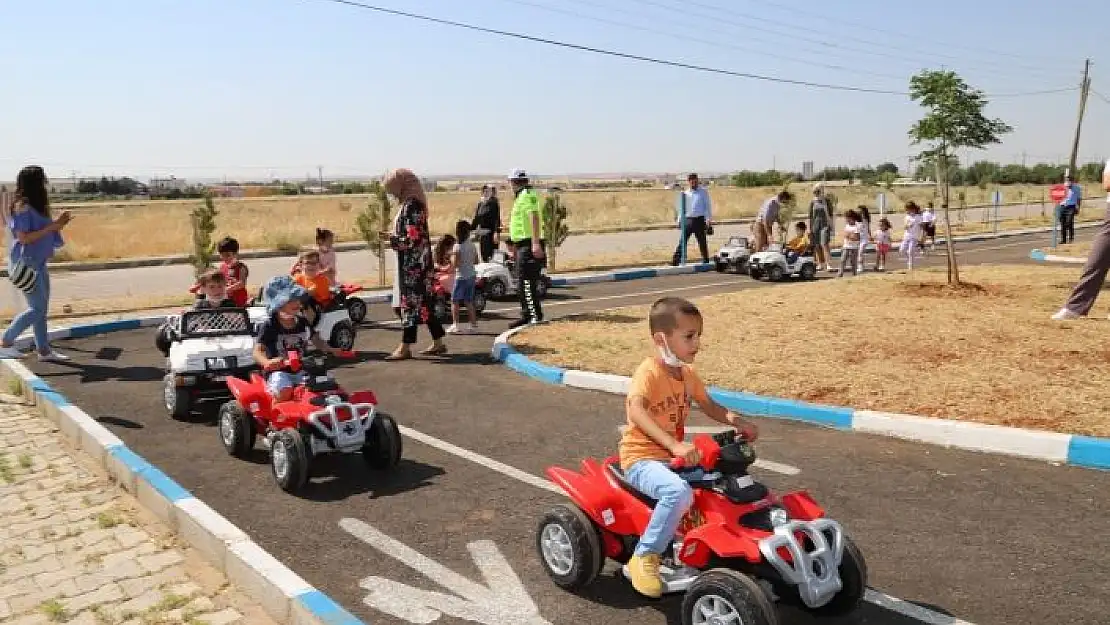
(643, 572)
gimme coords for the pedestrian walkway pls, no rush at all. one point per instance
(76, 549)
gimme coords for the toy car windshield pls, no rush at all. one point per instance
(499, 257)
(735, 240)
(215, 322)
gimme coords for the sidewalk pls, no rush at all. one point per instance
(76, 549)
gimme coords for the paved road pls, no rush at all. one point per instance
(989, 539)
(175, 279)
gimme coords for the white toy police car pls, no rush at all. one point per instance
(733, 255)
(495, 278)
(204, 348)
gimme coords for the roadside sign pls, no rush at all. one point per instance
(1058, 193)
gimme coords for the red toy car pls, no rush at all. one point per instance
(738, 549)
(320, 418)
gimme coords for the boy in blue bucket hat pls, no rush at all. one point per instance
(284, 330)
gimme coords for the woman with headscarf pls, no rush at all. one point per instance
(411, 242)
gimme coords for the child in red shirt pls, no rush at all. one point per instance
(234, 269)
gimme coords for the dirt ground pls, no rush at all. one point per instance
(986, 352)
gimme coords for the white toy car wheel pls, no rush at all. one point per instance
(178, 401)
(497, 288)
(343, 336)
(356, 308)
(809, 271)
(479, 301)
(541, 288)
(775, 273)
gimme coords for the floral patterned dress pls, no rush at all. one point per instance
(415, 269)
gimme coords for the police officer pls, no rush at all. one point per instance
(526, 236)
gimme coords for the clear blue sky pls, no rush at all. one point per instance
(253, 87)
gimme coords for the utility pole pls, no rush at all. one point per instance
(320, 170)
(1084, 90)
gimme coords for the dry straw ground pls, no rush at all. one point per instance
(134, 229)
(986, 353)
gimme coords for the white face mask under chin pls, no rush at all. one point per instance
(667, 355)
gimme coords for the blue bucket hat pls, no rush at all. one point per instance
(279, 291)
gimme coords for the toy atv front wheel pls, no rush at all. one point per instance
(236, 429)
(853, 576)
(289, 460)
(178, 401)
(383, 446)
(570, 547)
(726, 596)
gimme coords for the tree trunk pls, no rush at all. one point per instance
(949, 244)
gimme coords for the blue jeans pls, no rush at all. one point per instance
(38, 301)
(281, 380)
(656, 480)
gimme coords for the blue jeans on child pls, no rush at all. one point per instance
(38, 301)
(281, 380)
(672, 490)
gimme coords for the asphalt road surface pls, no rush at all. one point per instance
(986, 539)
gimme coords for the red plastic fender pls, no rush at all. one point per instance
(799, 505)
(364, 397)
(703, 541)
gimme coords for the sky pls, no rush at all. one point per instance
(277, 88)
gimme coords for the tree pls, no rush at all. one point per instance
(954, 119)
(887, 168)
(373, 219)
(203, 220)
(555, 226)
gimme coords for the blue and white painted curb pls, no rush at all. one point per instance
(1082, 451)
(1042, 257)
(288, 598)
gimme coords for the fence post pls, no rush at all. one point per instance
(682, 227)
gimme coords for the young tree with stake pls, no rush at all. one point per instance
(954, 120)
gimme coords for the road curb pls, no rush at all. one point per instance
(1043, 257)
(1072, 449)
(285, 596)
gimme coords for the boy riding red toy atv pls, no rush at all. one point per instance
(738, 549)
(320, 418)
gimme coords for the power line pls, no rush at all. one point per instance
(1100, 96)
(634, 57)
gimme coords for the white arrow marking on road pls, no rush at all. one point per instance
(501, 601)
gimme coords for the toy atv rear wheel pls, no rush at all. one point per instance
(726, 596)
(178, 401)
(356, 309)
(569, 546)
(289, 460)
(236, 429)
(853, 576)
(383, 446)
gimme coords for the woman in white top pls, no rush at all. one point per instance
(864, 235)
(911, 233)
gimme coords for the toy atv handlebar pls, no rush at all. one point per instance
(294, 361)
(709, 448)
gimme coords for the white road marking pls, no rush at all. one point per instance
(503, 600)
(888, 602)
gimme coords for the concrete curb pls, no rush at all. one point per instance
(1042, 257)
(1081, 451)
(289, 599)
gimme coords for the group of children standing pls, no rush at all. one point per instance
(918, 225)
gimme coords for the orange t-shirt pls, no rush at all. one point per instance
(319, 286)
(669, 402)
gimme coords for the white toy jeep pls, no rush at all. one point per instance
(496, 277)
(333, 323)
(205, 347)
(775, 265)
(733, 255)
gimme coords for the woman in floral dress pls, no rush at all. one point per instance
(410, 240)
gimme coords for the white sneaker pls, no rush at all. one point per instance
(454, 329)
(9, 353)
(1065, 315)
(471, 329)
(54, 356)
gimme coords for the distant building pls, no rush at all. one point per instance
(807, 170)
(167, 184)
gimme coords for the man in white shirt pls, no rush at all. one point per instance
(699, 219)
(767, 218)
(1086, 291)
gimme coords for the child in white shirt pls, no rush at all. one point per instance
(911, 233)
(882, 244)
(849, 249)
(929, 227)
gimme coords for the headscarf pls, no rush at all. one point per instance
(279, 291)
(404, 185)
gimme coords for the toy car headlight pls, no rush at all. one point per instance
(778, 516)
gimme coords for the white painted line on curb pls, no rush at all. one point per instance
(888, 602)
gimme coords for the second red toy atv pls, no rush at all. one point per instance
(320, 418)
(738, 549)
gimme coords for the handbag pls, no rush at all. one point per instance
(22, 275)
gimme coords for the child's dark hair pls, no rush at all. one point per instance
(462, 230)
(912, 207)
(323, 234)
(863, 212)
(851, 214)
(443, 249)
(212, 276)
(666, 311)
(884, 223)
(800, 226)
(227, 245)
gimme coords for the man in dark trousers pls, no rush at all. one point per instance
(1098, 263)
(1068, 209)
(487, 222)
(699, 219)
(526, 238)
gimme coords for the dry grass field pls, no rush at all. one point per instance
(987, 352)
(155, 228)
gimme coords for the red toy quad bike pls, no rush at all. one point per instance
(320, 418)
(738, 549)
